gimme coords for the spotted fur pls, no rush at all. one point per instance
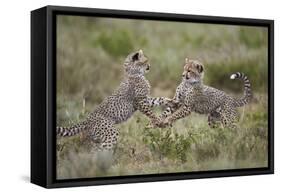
(133, 94)
(194, 96)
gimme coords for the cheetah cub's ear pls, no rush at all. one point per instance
(200, 68)
(136, 56)
(186, 60)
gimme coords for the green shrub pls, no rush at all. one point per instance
(218, 75)
(253, 38)
(167, 144)
(117, 43)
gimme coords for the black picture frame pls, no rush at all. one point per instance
(43, 95)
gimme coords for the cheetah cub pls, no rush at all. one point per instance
(132, 94)
(193, 96)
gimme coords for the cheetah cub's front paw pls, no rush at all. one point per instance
(172, 103)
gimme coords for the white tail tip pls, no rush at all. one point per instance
(233, 76)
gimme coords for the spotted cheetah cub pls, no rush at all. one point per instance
(132, 94)
(192, 95)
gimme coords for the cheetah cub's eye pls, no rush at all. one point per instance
(199, 68)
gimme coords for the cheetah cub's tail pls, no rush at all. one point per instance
(70, 131)
(247, 89)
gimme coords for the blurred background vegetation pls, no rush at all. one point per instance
(90, 56)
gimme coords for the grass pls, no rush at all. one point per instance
(190, 145)
(90, 53)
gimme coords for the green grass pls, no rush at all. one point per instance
(90, 54)
(190, 145)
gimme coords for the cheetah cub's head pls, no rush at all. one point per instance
(136, 63)
(193, 71)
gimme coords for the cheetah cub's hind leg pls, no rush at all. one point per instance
(102, 138)
(214, 119)
(103, 134)
(229, 116)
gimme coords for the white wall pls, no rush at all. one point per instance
(15, 94)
